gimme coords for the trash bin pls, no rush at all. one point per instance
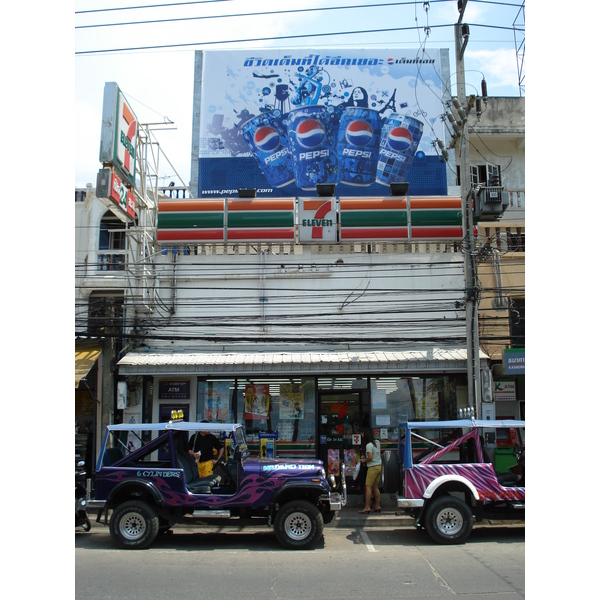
(504, 458)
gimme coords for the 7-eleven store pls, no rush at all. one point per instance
(306, 320)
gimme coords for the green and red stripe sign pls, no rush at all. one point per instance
(364, 219)
(261, 220)
(319, 221)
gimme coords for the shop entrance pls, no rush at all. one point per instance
(341, 417)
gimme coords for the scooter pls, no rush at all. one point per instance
(81, 517)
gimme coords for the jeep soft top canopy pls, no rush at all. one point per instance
(173, 425)
(162, 427)
(461, 423)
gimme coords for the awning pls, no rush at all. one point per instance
(85, 357)
(295, 363)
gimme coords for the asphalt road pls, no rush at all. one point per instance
(350, 563)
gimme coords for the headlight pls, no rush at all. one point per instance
(331, 480)
(323, 474)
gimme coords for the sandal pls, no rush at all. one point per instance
(377, 510)
(364, 512)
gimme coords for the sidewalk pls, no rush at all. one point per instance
(390, 515)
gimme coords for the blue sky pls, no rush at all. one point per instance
(159, 81)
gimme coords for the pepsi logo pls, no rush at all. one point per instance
(359, 133)
(266, 139)
(310, 133)
(399, 139)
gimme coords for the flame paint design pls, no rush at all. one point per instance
(256, 488)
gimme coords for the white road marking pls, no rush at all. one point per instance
(367, 541)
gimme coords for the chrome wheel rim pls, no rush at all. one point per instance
(132, 526)
(449, 521)
(298, 526)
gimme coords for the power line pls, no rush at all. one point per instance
(280, 38)
(265, 39)
(165, 5)
(256, 14)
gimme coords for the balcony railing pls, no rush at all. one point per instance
(506, 237)
(112, 261)
(175, 191)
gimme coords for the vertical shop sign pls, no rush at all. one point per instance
(119, 134)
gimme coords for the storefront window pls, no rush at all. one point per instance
(215, 401)
(282, 406)
(397, 399)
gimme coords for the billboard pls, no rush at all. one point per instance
(285, 121)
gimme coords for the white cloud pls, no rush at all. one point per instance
(498, 66)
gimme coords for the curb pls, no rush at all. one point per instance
(383, 519)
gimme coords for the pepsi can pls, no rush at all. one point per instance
(312, 133)
(267, 139)
(400, 137)
(358, 145)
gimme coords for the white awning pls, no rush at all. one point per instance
(296, 363)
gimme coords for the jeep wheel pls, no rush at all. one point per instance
(448, 520)
(299, 525)
(134, 524)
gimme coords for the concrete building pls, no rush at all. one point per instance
(497, 141)
(302, 339)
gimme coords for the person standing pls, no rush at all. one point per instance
(373, 461)
(201, 449)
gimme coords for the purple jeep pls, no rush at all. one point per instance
(451, 480)
(146, 477)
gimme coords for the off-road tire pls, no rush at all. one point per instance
(448, 520)
(134, 524)
(298, 525)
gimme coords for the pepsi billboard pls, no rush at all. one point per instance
(284, 121)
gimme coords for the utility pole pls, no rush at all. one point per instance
(461, 36)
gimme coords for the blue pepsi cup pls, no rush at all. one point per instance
(358, 145)
(266, 137)
(312, 134)
(400, 137)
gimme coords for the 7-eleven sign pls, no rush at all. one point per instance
(126, 138)
(317, 222)
(119, 136)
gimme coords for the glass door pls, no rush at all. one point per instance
(340, 439)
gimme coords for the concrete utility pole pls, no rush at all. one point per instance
(461, 36)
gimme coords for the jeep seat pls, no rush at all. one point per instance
(194, 483)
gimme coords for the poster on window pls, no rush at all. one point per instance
(216, 408)
(256, 402)
(350, 460)
(133, 415)
(333, 461)
(291, 401)
(426, 406)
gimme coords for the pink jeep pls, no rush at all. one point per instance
(447, 478)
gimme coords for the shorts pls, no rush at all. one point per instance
(373, 476)
(205, 468)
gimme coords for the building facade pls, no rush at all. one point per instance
(245, 310)
(498, 145)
